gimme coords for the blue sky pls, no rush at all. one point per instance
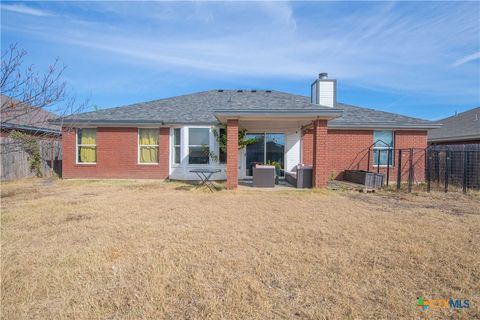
(416, 58)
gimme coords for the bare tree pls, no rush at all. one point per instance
(30, 99)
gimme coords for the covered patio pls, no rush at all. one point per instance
(277, 130)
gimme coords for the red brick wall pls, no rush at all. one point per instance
(348, 149)
(232, 153)
(117, 156)
(320, 153)
(307, 145)
(411, 139)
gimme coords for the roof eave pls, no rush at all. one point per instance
(383, 125)
(30, 128)
(457, 138)
(292, 114)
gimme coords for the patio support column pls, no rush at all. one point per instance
(164, 153)
(232, 154)
(320, 153)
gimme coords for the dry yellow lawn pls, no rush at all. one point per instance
(153, 250)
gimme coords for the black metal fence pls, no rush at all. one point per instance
(441, 168)
(453, 168)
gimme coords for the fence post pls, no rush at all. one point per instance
(52, 142)
(410, 170)
(378, 160)
(465, 167)
(368, 160)
(389, 153)
(429, 169)
(447, 157)
(399, 169)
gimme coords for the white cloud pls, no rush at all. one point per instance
(398, 47)
(471, 57)
(20, 8)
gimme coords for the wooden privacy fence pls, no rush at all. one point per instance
(15, 163)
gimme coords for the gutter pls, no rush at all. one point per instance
(292, 113)
(29, 128)
(383, 125)
(457, 138)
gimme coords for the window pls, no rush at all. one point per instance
(383, 148)
(176, 145)
(222, 155)
(198, 145)
(87, 145)
(148, 145)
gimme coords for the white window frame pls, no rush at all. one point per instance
(172, 143)
(85, 145)
(147, 145)
(194, 145)
(384, 148)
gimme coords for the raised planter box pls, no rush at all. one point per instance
(369, 179)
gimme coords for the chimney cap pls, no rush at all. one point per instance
(322, 75)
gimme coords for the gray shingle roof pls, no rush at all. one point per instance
(200, 108)
(364, 117)
(463, 126)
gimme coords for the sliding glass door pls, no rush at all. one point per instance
(268, 148)
(255, 152)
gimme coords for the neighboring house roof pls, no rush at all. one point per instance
(461, 127)
(22, 116)
(201, 107)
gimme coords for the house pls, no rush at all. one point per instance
(34, 122)
(462, 128)
(166, 138)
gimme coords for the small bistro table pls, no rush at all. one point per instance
(205, 175)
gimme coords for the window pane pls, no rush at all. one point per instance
(176, 155)
(384, 153)
(87, 136)
(148, 136)
(176, 136)
(255, 151)
(149, 154)
(87, 154)
(198, 155)
(383, 139)
(276, 149)
(198, 136)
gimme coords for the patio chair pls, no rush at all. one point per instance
(263, 176)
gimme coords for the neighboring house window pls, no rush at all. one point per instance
(176, 145)
(383, 142)
(87, 145)
(222, 155)
(148, 145)
(198, 145)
